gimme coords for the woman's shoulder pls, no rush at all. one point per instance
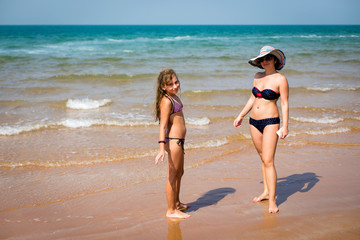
(280, 77)
(281, 80)
(259, 75)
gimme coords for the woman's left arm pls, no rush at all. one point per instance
(284, 98)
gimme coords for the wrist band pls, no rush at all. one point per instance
(161, 142)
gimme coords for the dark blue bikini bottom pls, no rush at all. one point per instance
(261, 124)
(180, 141)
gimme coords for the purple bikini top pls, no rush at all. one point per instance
(177, 107)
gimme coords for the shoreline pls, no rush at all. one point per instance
(317, 196)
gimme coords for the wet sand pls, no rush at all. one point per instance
(317, 194)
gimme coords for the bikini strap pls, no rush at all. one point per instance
(172, 102)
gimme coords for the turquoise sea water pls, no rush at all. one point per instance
(48, 52)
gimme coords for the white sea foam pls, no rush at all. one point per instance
(128, 120)
(198, 121)
(14, 130)
(74, 123)
(324, 89)
(247, 136)
(115, 40)
(208, 144)
(328, 131)
(324, 120)
(175, 38)
(327, 36)
(327, 89)
(79, 123)
(86, 103)
(198, 91)
(168, 39)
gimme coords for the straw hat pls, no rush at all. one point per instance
(270, 50)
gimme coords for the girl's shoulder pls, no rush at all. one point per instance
(166, 102)
(166, 99)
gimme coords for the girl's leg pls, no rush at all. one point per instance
(175, 171)
(257, 138)
(180, 172)
(269, 144)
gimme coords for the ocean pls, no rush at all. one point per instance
(79, 100)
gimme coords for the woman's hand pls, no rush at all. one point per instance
(160, 156)
(238, 121)
(283, 132)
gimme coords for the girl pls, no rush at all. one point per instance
(264, 118)
(168, 110)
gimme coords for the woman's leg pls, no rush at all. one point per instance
(257, 138)
(265, 144)
(269, 144)
(175, 172)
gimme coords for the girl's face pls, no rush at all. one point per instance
(172, 87)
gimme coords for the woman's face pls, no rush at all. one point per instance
(267, 61)
(173, 86)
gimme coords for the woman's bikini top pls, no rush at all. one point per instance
(177, 107)
(267, 94)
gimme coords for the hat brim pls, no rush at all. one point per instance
(277, 53)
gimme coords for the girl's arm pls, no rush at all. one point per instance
(284, 93)
(165, 110)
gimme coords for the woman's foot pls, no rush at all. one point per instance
(273, 207)
(176, 214)
(262, 197)
(182, 207)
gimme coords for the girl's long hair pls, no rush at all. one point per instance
(163, 79)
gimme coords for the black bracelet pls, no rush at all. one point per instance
(161, 142)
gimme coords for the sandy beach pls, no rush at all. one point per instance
(317, 195)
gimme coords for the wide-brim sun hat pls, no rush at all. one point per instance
(266, 50)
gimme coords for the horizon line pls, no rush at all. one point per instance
(315, 24)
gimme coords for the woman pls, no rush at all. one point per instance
(268, 86)
(168, 109)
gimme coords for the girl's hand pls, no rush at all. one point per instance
(238, 121)
(160, 156)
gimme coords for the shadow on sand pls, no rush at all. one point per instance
(212, 197)
(292, 184)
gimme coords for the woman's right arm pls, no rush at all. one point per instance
(165, 108)
(248, 106)
(244, 111)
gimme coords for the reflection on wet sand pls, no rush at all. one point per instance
(174, 230)
(269, 220)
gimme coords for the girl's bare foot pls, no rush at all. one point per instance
(182, 207)
(263, 196)
(176, 214)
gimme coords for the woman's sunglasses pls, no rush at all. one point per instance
(267, 58)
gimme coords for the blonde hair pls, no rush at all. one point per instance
(164, 78)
